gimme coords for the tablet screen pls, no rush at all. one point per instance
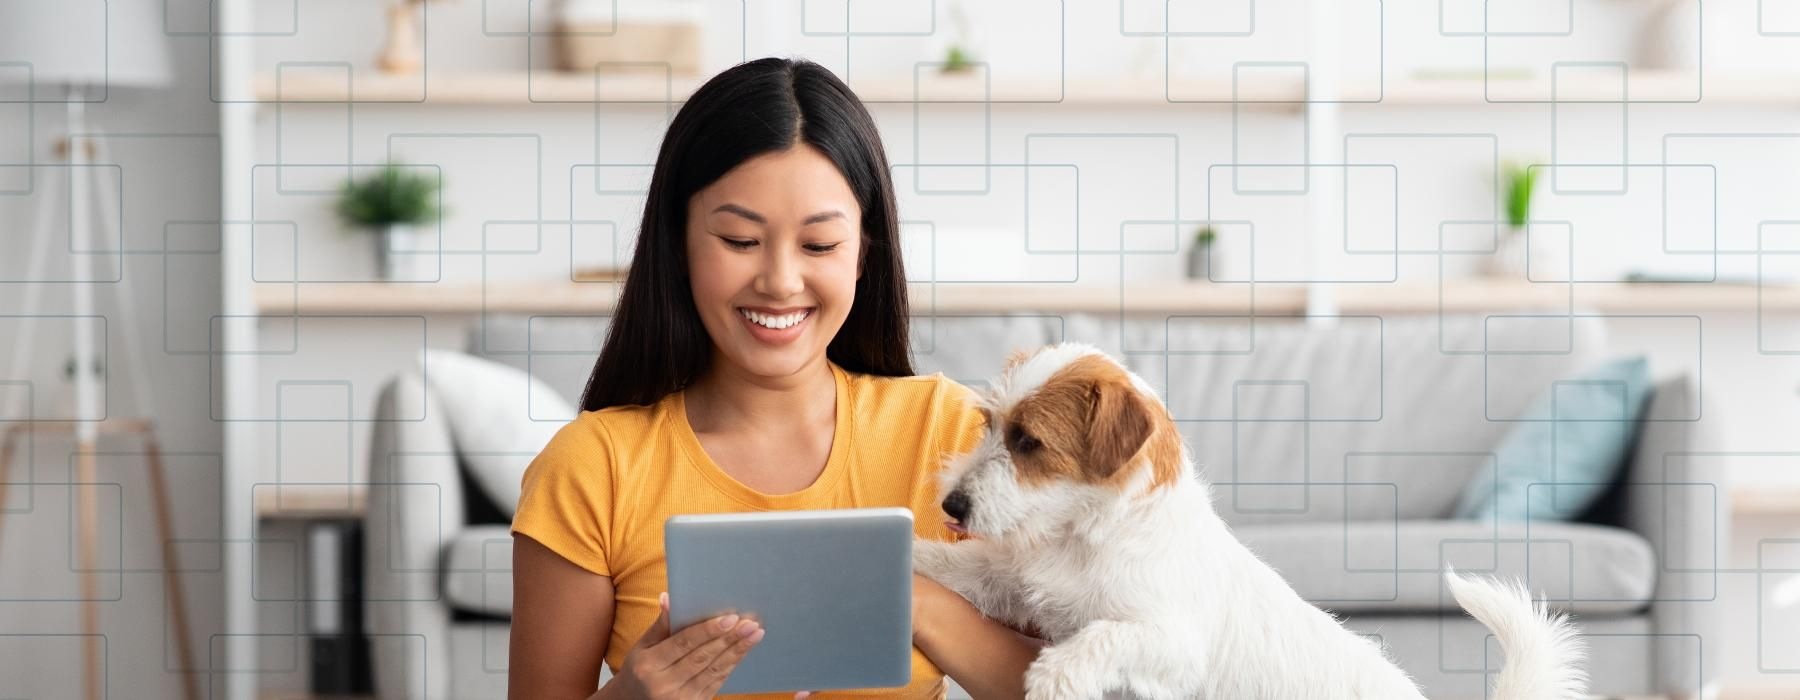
(831, 588)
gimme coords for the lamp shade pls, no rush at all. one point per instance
(98, 43)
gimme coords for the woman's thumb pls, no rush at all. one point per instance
(659, 630)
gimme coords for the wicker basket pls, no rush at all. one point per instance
(635, 46)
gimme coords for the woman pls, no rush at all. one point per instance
(757, 360)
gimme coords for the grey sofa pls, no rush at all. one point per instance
(1337, 447)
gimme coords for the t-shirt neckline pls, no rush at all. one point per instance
(730, 486)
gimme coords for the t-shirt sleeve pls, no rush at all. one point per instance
(566, 495)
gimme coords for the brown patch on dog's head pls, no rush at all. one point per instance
(1088, 423)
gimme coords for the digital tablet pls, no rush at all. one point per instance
(831, 588)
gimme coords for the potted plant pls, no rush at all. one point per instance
(957, 57)
(1200, 256)
(394, 203)
(956, 60)
(1517, 181)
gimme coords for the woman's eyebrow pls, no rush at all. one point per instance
(758, 218)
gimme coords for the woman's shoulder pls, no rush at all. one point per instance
(932, 403)
(934, 388)
(602, 429)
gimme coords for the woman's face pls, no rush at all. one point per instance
(772, 252)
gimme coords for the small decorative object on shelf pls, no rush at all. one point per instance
(644, 37)
(1671, 36)
(1200, 257)
(396, 203)
(958, 58)
(1514, 256)
(404, 53)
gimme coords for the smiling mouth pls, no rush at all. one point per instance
(776, 321)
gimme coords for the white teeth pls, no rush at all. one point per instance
(776, 322)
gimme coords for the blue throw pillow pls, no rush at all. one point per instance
(1580, 433)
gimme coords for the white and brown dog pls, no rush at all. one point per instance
(1091, 526)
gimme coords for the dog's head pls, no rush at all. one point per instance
(1070, 431)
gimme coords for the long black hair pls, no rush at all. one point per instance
(656, 344)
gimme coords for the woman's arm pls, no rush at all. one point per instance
(561, 624)
(986, 658)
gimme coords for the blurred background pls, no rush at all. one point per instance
(1370, 252)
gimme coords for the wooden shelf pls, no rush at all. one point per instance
(310, 501)
(1593, 86)
(561, 297)
(550, 87)
(553, 87)
(1476, 295)
(1764, 501)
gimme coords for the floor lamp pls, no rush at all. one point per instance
(93, 52)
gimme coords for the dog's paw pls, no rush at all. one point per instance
(932, 558)
(1047, 679)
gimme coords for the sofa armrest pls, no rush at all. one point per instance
(414, 508)
(1675, 496)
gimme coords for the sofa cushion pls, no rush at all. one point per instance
(1397, 567)
(500, 418)
(478, 570)
(1553, 469)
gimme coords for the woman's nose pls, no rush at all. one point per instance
(780, 276)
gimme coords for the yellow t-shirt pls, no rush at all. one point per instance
(599, 492)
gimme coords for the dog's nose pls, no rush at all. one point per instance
(956, 505)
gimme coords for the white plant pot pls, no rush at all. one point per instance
(1201, 260)
(401, 252)
(1508, 260)
(1516, 258)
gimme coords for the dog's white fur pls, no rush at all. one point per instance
(1145, 589)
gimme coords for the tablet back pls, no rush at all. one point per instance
(832, 589)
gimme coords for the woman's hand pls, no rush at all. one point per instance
(692, 663)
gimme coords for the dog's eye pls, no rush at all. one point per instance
(1023, 441)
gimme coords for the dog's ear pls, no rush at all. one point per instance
(1018, 357)
(1118, 426)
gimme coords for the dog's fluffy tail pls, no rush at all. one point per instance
(1543, 652)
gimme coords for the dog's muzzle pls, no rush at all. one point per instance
(956, 505)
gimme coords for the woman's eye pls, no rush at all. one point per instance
(822, 248)
(739, 244)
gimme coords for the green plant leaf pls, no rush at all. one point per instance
(394, 194)
(956, 59)
(1519, 181)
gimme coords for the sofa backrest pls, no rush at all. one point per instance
(1350, 417)
(1359, 417)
